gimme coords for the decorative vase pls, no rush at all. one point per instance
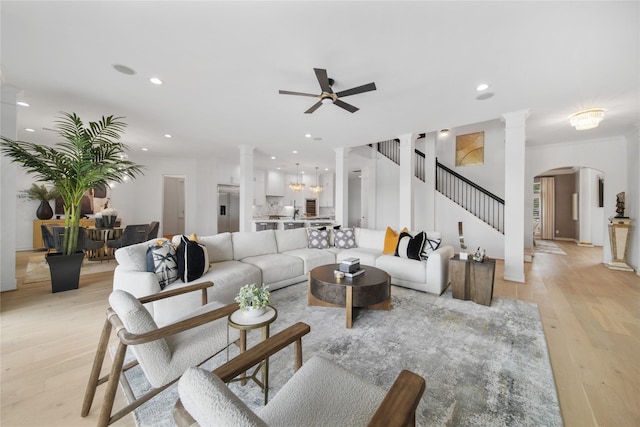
(44, 211)
(254, 312)
(99, 223)
(109, 221)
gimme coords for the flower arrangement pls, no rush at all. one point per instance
(253, 296)
(39, 192)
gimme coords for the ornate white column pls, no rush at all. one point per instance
(246, 187)
(8, 170)
(405, 190)
(514, 191)
(369, 186)
(342, 186)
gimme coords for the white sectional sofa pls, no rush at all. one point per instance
(278, 258)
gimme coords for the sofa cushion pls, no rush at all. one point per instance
(391, 240)
(373, 239)
(430, 246)
(345, 239)
(318, 239)
(250, 244)
(161, 260)
(134, 257)
(313, 258)
(367, 256)
(219, 247)
(276, 267)
(193, 260)
(411, 247)
(295, 238)
(402, 269)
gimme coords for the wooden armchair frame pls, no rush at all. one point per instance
(126, 339)
(398, 408)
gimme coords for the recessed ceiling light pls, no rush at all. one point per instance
(166, 135)
(278, 168)
(22, 104)
(145, 149)
(444, 132)
(29, 130)
(155, 81)
(295, 151)
(273, 157)
(482, 86)
(308, 135)
(326, 169)
(124, 69)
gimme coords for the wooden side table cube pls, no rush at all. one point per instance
(472, 280)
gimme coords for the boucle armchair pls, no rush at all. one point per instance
(164, 354)
(320, 393)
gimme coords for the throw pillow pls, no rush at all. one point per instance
(318, 239)
(345, 239)
(411, 247)
(193, 260)
(430, 246)
(391, 240)
(161, 260)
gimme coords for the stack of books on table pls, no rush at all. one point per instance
(350, 267)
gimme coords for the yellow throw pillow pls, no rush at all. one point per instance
(193, 237)
(391, 240)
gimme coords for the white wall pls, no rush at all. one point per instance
(489, 175)
(476, 232)
(633, 198)
(608, 155)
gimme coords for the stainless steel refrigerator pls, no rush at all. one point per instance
(228, 208)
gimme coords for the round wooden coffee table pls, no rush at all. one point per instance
(371, 290)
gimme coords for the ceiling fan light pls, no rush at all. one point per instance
(587, 119)
(327, 100)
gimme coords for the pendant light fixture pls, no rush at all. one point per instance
(316, 188)
(296, 186)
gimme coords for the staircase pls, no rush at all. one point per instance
(480, 202)
(470, 196)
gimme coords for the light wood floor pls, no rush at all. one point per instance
(591, 318)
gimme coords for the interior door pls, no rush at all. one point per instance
(173, 209)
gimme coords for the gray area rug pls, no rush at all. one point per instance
(484, 366)
(547, 247)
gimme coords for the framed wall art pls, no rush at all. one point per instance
(470, 149)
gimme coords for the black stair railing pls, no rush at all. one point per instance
(391, 150)
(480, 202)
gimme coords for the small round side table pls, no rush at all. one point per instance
(243, 323)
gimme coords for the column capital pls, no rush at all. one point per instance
(515, 118)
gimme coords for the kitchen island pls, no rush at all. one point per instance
(259, 224)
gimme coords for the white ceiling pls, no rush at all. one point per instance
(224, 62)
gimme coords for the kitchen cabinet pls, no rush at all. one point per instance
(275, 184)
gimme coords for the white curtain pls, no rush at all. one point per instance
(547, 207)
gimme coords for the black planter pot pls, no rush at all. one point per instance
(65, 271)
(44, 211)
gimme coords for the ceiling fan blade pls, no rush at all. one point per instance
(360, 89)
(314, 107)
(321, 75)
(346, 106)
(288, 92)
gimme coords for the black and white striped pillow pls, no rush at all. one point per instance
(193, 260)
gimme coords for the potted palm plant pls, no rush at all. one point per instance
(42, 194)
(85, 158)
